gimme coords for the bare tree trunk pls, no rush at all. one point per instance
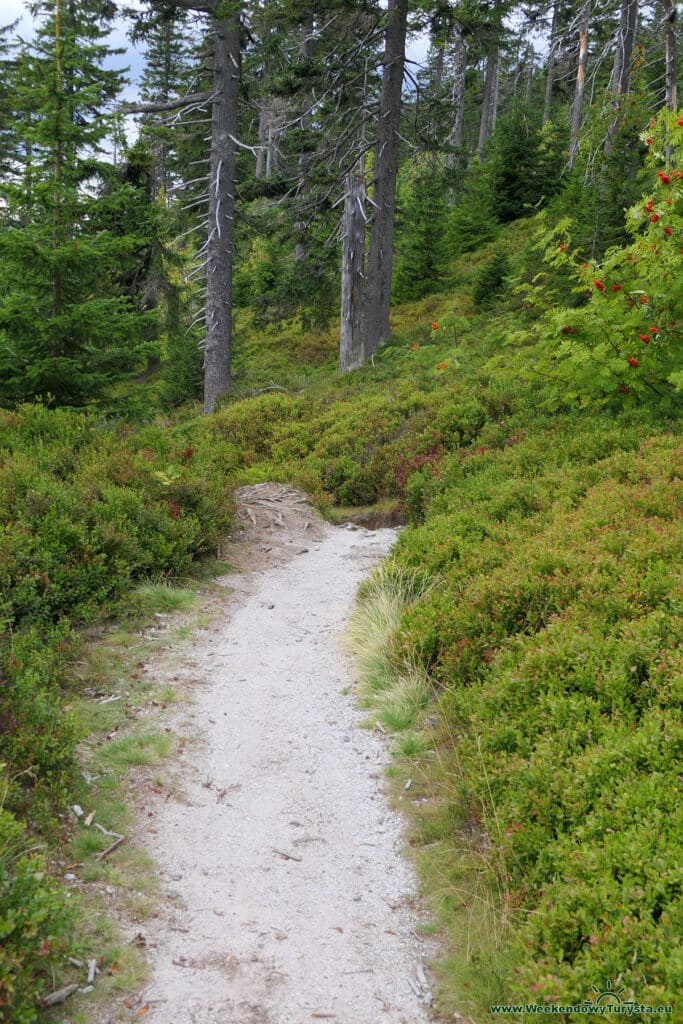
(271, 116)
(670, 16)
(380, 259)
(305, 54)
(530, 72)
(623, 64)
(161, 160)
(486, 101)
(458, 95)
(552, 65)
(496, 96)
(219, 247)
(670, 62)
(623, 57)
(263, 117)
(439, 51)
(580, 87)
(351, 353)
(58, 165)
(437, 59)
(272, 145)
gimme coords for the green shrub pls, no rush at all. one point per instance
(86, 510)
(621, 344)
(554, 640)
(490, 280)
(37, 737)
(35, 920)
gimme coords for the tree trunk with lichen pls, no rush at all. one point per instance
(380, 258)
(670, 62)
(580, 87)
(623, 66)
(670, 40)
(458, 97)
(219, 246)
(487, 100)
(351, 354)
(552, 65)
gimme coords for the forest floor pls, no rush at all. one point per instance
(284, 894)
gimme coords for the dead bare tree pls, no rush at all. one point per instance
(487, 100)
(216, 254)
(458, 95)
(552, 63)
(580, 87)
(623, 65)
(351, 353)
(380, 258)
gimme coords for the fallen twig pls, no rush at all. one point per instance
(423, 983)
(287, 856)
(421, 976)
(271, 387)
(60, 996)
(415, 988)
(110, 849)
(106, 832)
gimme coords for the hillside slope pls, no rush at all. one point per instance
(539, 614)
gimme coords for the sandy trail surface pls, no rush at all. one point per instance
(285, 897)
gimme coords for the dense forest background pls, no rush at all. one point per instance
(446, 293)
(272, 143)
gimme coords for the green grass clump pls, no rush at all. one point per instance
(396, 691)
(164, 598)
(138, 748)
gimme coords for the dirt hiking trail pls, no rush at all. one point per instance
(285, 898)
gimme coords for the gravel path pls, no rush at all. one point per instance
(285, 896)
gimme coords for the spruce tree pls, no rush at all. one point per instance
(513, 160)
(170, 43)
(422, 242)
(69, 322)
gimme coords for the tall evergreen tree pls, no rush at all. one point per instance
(170, 41)
(69, 323)
(422, 251)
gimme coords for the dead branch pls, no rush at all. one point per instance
(281, 853)
(60, 996)
(161, 105)
(110, 849)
